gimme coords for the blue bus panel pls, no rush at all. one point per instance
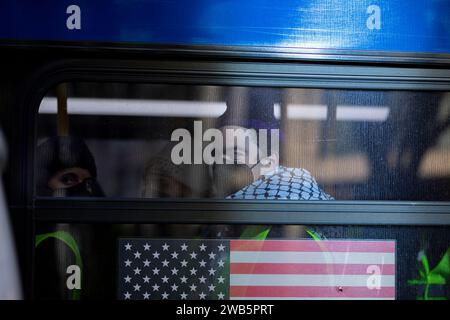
(381, 25)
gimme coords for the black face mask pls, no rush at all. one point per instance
(87, 188)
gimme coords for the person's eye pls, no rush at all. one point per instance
(69, 179)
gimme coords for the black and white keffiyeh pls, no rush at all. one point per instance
(283, 184)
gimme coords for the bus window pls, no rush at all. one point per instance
(191, 141)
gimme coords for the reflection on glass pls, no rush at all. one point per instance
(179, 141)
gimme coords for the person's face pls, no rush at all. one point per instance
(265, 165)
(243, 155)
(68, 178)
(72, 182)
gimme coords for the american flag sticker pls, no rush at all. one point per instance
(159, 269)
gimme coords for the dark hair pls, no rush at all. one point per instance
(257, 113)
(59, 153)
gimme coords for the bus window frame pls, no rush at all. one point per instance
(100, 61)
(229, 73)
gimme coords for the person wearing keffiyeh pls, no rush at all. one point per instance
(267, 179)
(283, 184)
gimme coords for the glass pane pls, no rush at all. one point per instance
(130, 261)
(186, 141)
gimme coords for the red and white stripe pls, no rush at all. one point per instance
(309, 269)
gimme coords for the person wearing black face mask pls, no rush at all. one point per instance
(66, 168)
